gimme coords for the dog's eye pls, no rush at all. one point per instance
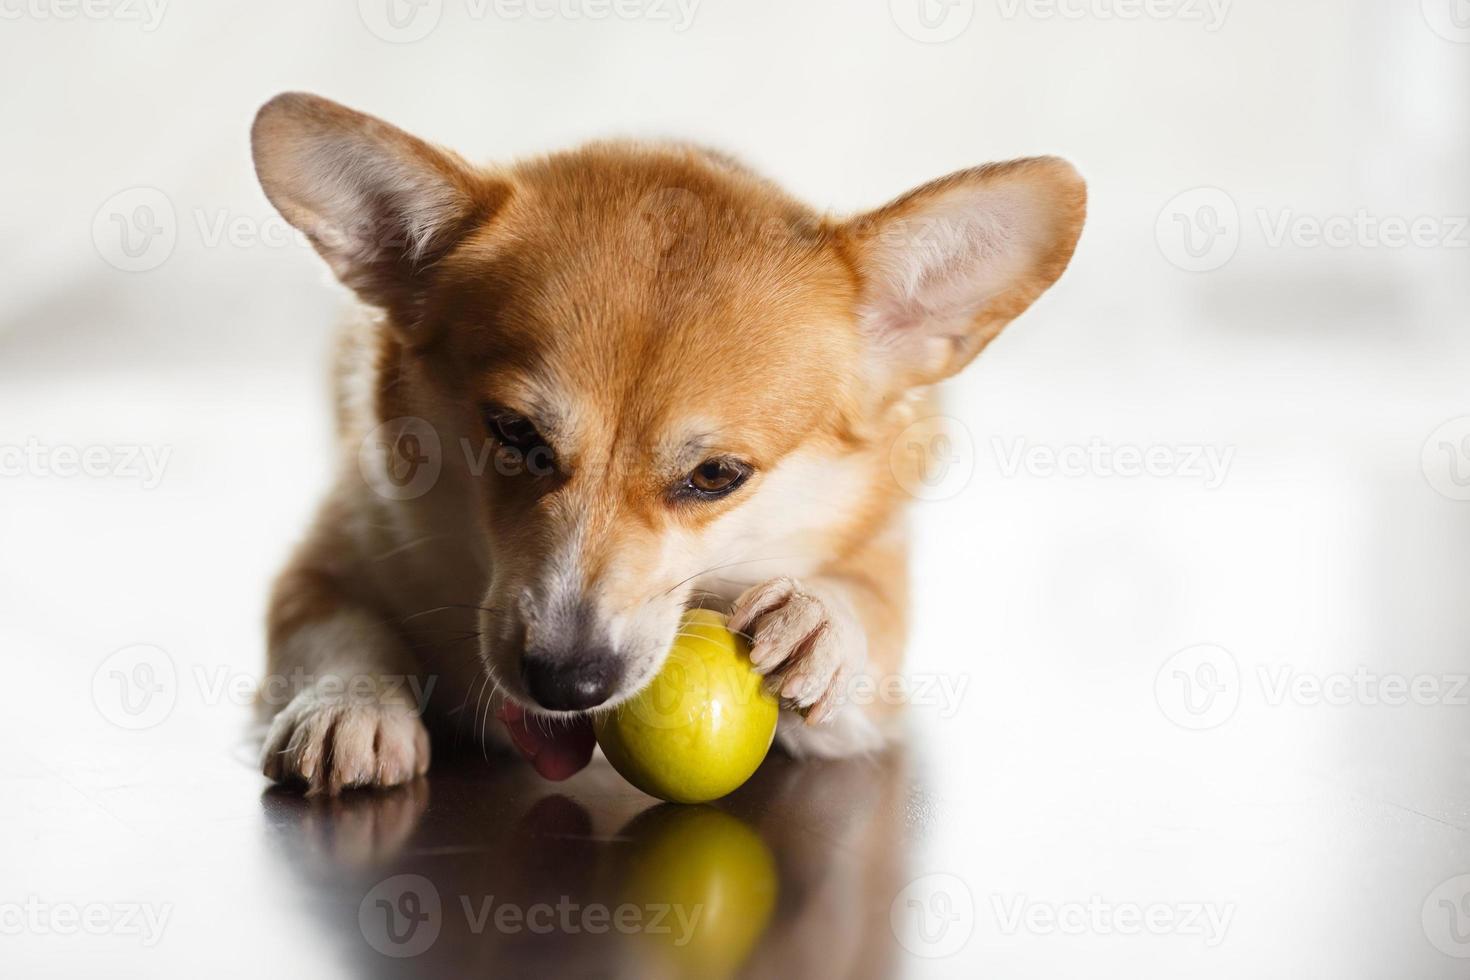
(512, 429)
(715, 478)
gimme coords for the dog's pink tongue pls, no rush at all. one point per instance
(557, 747)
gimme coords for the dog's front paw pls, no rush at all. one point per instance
(804, 639)
(330, 740)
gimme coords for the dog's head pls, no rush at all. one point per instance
(677, 369)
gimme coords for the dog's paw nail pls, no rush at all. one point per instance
(329, 745)
(796, 687)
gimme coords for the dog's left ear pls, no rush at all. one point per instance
(945, 267)
(378, 204)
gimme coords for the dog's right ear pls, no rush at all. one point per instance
(945, 267)
(378, 204)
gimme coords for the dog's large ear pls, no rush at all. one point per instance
(378, 204)
(945, 267)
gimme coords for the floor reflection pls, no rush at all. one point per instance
(483, 868)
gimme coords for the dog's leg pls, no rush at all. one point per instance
(339, 680)
(830, 646)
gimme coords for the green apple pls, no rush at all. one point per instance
(701, 726)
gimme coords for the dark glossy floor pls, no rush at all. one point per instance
(492, 871)
(161, 852)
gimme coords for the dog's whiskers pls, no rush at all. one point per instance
(435, 609)
(715, 568)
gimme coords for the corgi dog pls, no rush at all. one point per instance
(585, 392)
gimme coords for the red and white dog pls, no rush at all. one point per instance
(592, 389)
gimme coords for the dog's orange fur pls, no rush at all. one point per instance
(633, 301)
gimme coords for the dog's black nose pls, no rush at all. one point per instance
(571, 681)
